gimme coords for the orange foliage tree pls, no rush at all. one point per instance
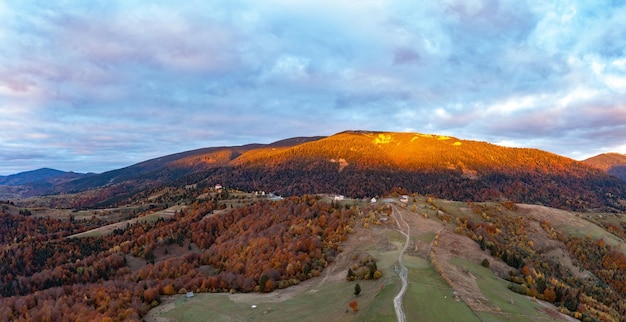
(354, 306)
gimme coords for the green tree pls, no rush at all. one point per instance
(357, 289)
(149, 256)
(351, 276)
(262, 282)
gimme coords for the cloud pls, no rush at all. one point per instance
(103, 84)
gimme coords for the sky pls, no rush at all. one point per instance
(92, 86)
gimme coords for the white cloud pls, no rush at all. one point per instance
(173, 76)
(291, 66)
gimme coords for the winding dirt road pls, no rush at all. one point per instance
(404, 272)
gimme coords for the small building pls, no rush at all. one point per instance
(218, 187)
(373, 200)
(189, 295)
(339, 198)
(404, 198)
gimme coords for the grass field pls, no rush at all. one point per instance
(326, 303)
(512, 306)
(104, 230)
(429, 298)
(591, 229)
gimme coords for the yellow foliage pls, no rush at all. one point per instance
(383, 139)
(529, 280)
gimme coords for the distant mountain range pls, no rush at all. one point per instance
(35, 182)
(43, 174)
(611, 163)
(366, 164)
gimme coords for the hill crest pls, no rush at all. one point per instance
(34, 176)
(611, 163)
(367, 164)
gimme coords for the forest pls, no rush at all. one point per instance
(428, 165)
(259, 247)
(373, 164)
(599, 298)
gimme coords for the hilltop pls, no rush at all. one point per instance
(35, 182)
(367, 164)
(360, 164)
(43, 174)
(611, 163)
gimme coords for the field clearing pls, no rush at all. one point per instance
(429, 298)
(108, 214)
(328, 302)
(572, 223)
(107, 229)
(511, 306)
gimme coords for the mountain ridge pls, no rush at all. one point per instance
(40, 174)
(370, 163)
(451, 168)
(611, 163)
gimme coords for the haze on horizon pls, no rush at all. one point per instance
(93, 86)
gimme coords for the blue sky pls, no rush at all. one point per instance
(98, 85)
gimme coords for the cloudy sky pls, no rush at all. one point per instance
(98, 85)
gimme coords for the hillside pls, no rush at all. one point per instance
(115, 185)
(464, 261)
(33, 183)
(362, 164)
(366, 164)
(611, 163)
(43, 174)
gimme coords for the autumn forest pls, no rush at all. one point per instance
(113, 246)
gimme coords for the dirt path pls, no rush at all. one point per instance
(404, 272)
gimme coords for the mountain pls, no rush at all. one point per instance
(35, 182)
(611, 163)
(175, 169)
(360, 164)
(365, 164)
(43, 174)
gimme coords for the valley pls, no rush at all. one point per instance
(430, 239)
(431, 228)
